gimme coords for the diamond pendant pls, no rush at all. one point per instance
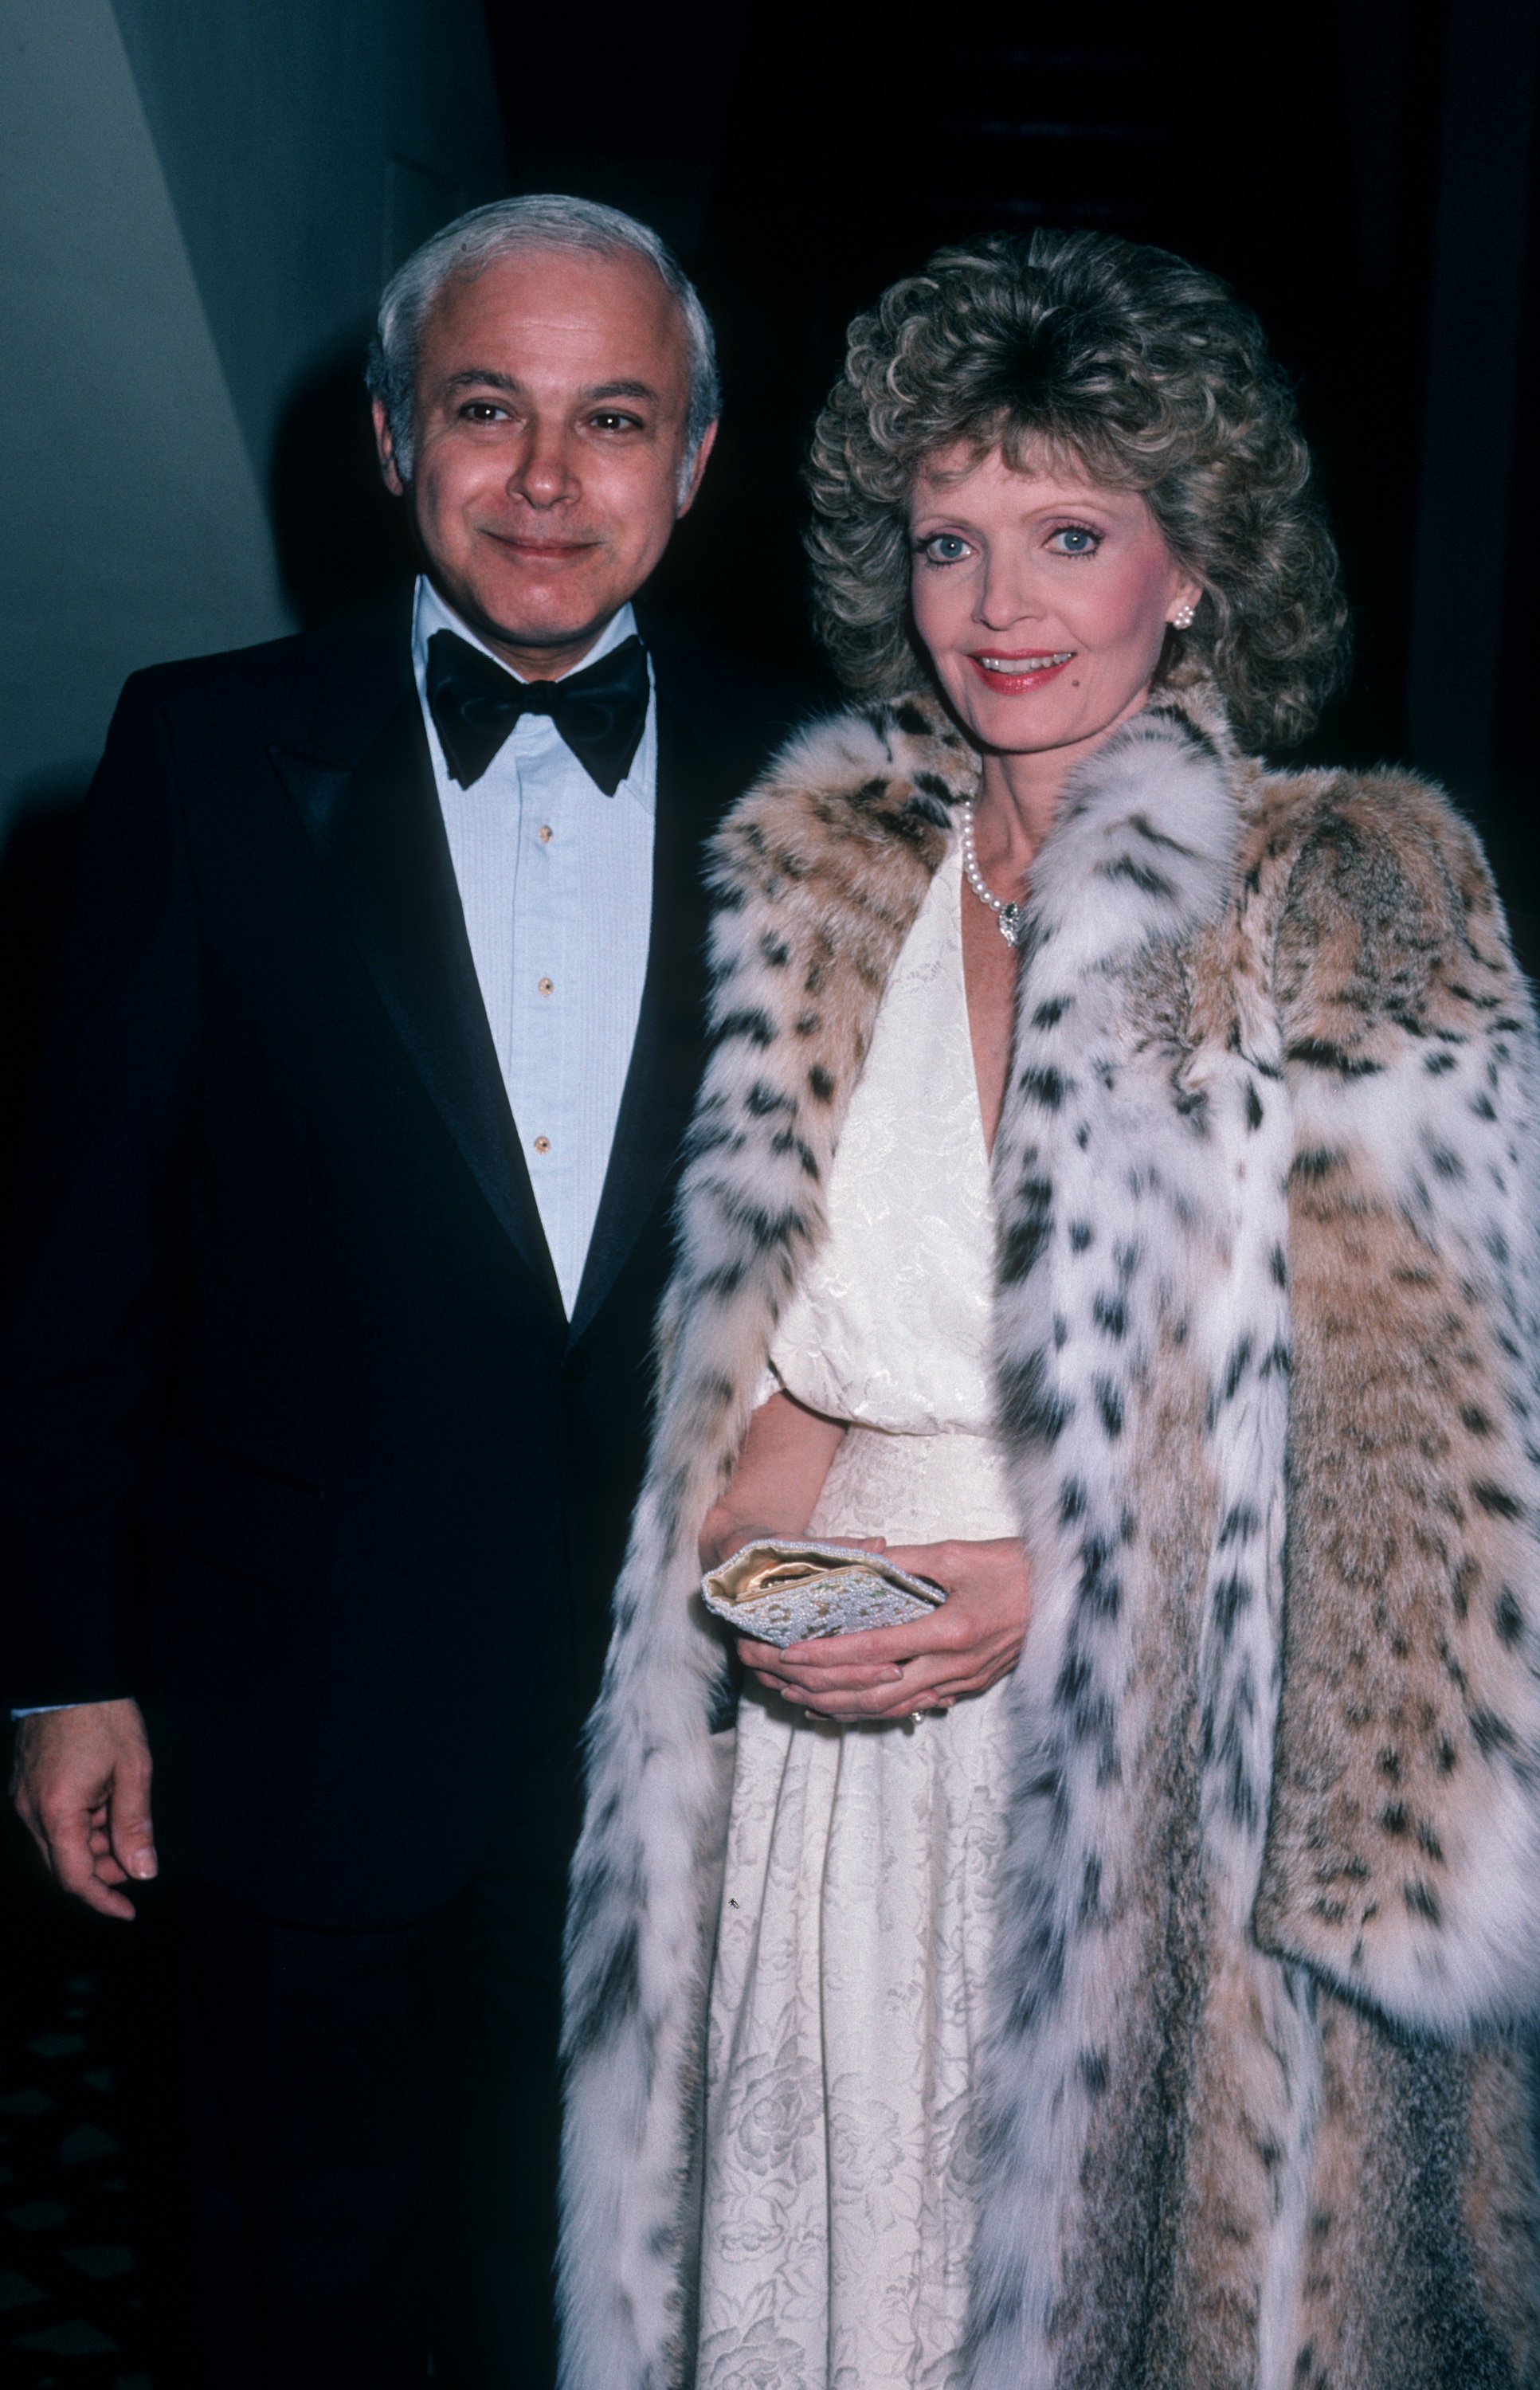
(1013, 922)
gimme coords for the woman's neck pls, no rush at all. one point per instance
(1012, 813)
(1019, 796)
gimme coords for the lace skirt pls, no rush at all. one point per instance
(856, 1925)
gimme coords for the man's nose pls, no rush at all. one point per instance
(544, 474)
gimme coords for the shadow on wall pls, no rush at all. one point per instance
(343, 550)
(342, 540)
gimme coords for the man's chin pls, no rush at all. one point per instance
(533, 617)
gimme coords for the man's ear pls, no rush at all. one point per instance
(708, 442)
(386, 448)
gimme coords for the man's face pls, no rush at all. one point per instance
(552, 396)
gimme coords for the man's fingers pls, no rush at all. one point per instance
(72, 1865)
(132, 1835)
(68, 1848)
(100, 1896)
(90, 1879)
(65, 1834)
(81, 1785)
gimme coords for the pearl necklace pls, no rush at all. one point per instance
(1011, 917)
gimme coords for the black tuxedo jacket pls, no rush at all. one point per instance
(296, 1442)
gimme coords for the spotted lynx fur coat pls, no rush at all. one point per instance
(1255, 2117)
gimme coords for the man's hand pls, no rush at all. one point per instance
(890, 1672)
(81, 1785)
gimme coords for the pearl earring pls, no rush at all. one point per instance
(1183, 621)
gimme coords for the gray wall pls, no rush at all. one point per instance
(198, 206)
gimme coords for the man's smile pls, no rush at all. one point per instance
(542, 551)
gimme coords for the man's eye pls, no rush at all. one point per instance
(609, 421)
(1076, 539)
(944, 547)
(484, 410)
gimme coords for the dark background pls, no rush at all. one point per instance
(1361, 171)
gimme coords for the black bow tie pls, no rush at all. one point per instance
(475, 704)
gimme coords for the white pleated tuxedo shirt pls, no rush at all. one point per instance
(556, 883)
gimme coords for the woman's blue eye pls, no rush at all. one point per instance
(946, 548)
(1077, 540)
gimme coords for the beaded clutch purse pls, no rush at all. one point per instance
(785, 1588)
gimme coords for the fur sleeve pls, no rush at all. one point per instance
(1404, 1849)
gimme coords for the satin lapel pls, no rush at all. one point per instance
(670, 1051)
(379, 835)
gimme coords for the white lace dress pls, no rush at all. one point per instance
(858, 1903)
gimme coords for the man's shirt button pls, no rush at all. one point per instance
(543, 1144)
(546, 986)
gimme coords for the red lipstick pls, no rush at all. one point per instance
(1015, 684)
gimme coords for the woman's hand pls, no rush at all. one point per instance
(927, 1662)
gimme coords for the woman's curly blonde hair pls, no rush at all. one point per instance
(1131, 365)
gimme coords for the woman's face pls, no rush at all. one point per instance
(1043, 598)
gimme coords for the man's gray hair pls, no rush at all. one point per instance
(547, 220)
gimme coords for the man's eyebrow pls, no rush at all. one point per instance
(479, 377)
(621, 389)
(486, 378)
